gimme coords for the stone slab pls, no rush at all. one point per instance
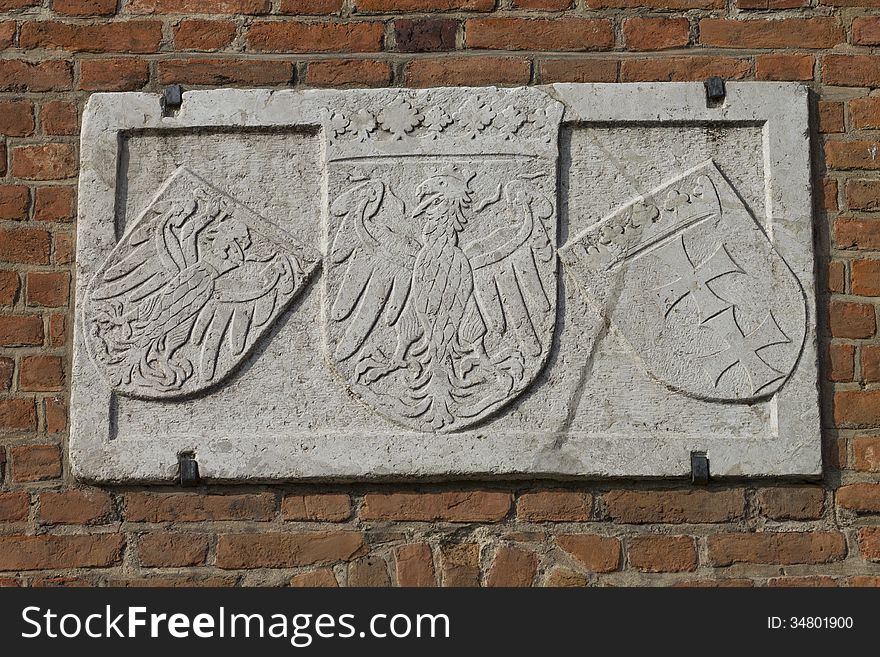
(570, 281)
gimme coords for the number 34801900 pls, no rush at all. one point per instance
(810, 623)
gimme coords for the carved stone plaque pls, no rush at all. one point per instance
(565, 281)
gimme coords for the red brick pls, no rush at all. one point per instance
(714, 583)
(48, 288)
(853, 233)
(460, 563)
(159, 550)
(17, 4)
(203, 35)
(863, 194)
(387, 6)
(538, 34)
(41, 374)
(58, 117)
(50, 551)
(792, 502)
(414, 565)
(56, 414)
(54, 203)
(287, 550)
(113, 74)
(76, 507)
(199, 6)
(44, 161)
(84, 7)
(320, 578)
(578, 70)
(175, 582)
(772, 4)
(34, 462)
(349, 73)
(127, 36)
(829, 194)
(53, 75)
(15, 201)
(656, 33)
(683, 69)
(332, 507)
(57, 336)
(468, 71)
(857, 408)
(675, 506)
(17, 414)
(214, 72)
(862, 498)
(56, 582)
(668, 5)
(851, 320)
(785, 33)
(786, 66)
(662, 554)
(841, 361)
(865, 277)
(869, 543)
(14, 507)
(811, 581)
(7, 34)
(7, 370)
(6, 582)
(565, 577)
(21, 330)
(512, 567)
(866, 31)
(776, 548)
(369, 571)
(294, 36)
(452, 506)
(830, 115)
(543, 5)
(851, 70)
(9, 285)
(427, 35)
(16, 118)
(865, 112)
(866, 453)
(863, 580)
(184, 507)
(64, 247)
(310, 7)
(600, 554)
(560, 506)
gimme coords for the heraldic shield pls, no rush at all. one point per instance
(439, 289)
(692, 282)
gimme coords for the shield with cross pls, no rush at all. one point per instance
(692, 282)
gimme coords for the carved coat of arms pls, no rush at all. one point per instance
(441, 260)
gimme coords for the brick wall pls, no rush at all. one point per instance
(54, 532)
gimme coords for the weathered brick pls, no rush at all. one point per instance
(59, 117)
(656, 4)
(33, 462)
(865, 277)
(368, 571)
(561, 506)
(6, 5)
(7, 370)
(16, 118)
(161, 550)
(863, 194)
(15, 201)
(310, 7)
(69, 551)
(460, 564)
(349, 73)
(841, 362)
(578, 70)
(48, 75)
(862, 498)
(44, 161)
(56, 203)
(76, 507)
(414, 565)
(84, 7)
(865, 112)
(41, 374)
(542, 5)
(14, 507)
(56, 414)
(322, 577)
(215, 72)
(113, 74)
(565, 577)
(7, 34)
(854, 233)
(866, 31)
(294, 36)
(199, 6)
(273, 550)
(17, 414)
(383, 6)
(656, 33)
(792, 502)
(512, 567)
(675, 506)
(21, 330)
(866, 453)
(539, 34)
(811, 581)
(123, 36)
(829, 194)
(332, 507)
(425, 35)
(451, 506)
(28, 246)
(203, 35)
(662, 554)
(784, 66)
(857, 408)
(599, 554)
(776, 548)
(851, 320)
(851, 70)
(824, 32)
(64, 248)
(836, 276)
(185, 507)
(683, 69)
(9, 285)
(175, 582)
(864, 580)
(467, 71)
(48, 288)
(830, 115)
(772, 4)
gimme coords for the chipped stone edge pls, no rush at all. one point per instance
(795, 451)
